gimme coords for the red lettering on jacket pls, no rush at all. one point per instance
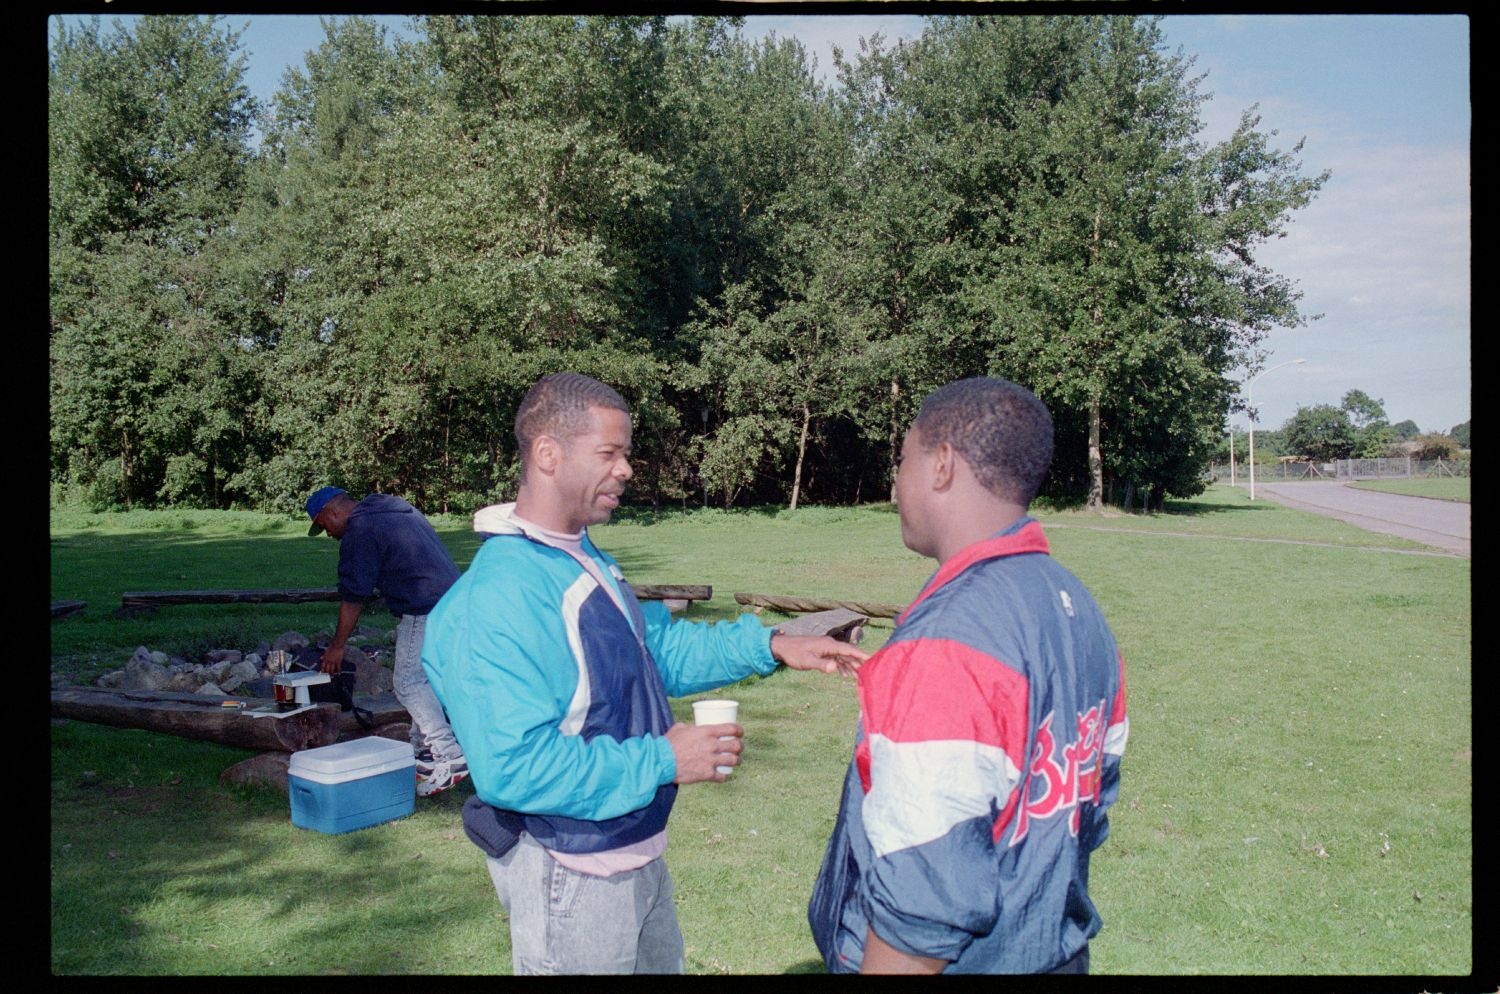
(1069, 776)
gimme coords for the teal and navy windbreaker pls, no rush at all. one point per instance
(559, 699)
(991, 729)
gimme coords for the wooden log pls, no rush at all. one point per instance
(199, 716)
(839, 623)
(132, 600)
(672, 592)
(140, 602)
(797, 605)
(61, 609)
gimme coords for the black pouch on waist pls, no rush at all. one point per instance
(491, 829)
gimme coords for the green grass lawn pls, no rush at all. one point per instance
(1296, 795)
(1436, 487)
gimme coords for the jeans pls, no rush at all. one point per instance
(429, 724)
(562, 921)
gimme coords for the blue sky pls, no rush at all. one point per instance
(1383, 253)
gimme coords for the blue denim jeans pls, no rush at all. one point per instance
(562, 921)
(429, 724)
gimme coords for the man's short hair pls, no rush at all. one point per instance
(1001, 429)
(558, 405)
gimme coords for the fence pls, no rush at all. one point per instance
(1343, 469)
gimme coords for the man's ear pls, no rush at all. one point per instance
(944, 466)
(546, 452)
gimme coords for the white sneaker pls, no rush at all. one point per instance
(445, 774)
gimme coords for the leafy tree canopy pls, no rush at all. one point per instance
(1321, 433)
(773, 272)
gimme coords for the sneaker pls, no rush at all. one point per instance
(425, 763)
(444, 774)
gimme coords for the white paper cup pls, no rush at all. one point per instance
(717, 713)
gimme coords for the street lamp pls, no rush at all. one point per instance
(1250, 403)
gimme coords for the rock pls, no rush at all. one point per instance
(212, 688)
(185, 681)
(290, 641)
(370, 677)
(254, 659)
(145, 676)
(269, 769)
(245, 669)
(140, 657)
(159, 658)
(260, 687)
(111, 679)
(230, 656)
(219, 671)
(231, 683)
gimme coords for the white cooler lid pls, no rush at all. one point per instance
(373, 754)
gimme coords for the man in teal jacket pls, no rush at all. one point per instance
(556, 681)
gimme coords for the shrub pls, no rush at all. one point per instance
(1434, 446)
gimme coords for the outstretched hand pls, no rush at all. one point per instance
(817, 652)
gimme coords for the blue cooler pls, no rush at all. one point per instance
(350, 785)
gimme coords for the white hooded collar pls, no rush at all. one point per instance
(501, 519)
(498, 519)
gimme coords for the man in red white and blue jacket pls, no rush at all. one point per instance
(991, 724)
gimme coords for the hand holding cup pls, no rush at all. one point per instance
(702, 750)
(717, 713)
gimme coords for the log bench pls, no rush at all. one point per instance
(203, 717)
(798, 605)
(133, 603)
(840, 623)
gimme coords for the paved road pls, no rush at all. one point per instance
(1440, 523)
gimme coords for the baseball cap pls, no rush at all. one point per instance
(317, 502)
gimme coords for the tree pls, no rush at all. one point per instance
(1322, 433)
(1082, 242)
(1367, 416)
(416, 313)
(148, 129)
(783, 349)
(774, 275)
(1461, 434)
(1363, 410)
(1405, 431)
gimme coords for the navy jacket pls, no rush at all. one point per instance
(391, 546)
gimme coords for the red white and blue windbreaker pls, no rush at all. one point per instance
(991, 729)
